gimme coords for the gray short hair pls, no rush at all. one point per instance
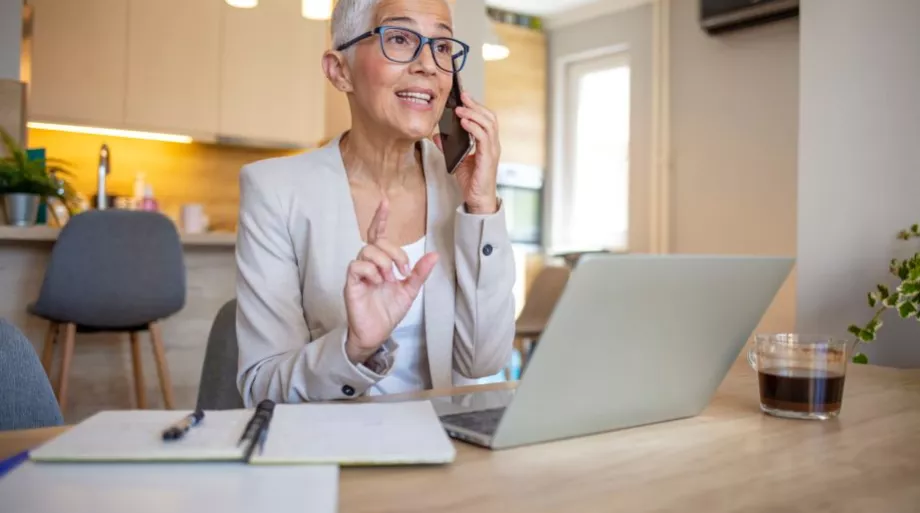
(351, 18)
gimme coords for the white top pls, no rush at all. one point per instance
(410, 371)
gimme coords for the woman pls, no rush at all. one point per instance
(424, 300)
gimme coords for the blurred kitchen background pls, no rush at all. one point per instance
(626, 126)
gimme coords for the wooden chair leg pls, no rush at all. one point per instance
(69, 338)
(48, 348)
(162, 371)
(140, 389)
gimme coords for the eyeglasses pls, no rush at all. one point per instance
(403, 45)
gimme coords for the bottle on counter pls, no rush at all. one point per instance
(149, 202)
(137, 198)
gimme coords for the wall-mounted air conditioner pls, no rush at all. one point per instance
(717, 16)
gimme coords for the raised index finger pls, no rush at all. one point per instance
(378, 227)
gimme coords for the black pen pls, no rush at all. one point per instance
(178, 430)
(257, 428)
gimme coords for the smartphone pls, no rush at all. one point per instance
(456, 142)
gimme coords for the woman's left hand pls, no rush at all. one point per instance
(477, 174)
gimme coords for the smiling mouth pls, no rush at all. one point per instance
(420, 98)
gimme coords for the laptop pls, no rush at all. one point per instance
(633, 340)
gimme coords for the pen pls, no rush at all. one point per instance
(178, 430)
(256, 430)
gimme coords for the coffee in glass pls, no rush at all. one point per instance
(801, 376)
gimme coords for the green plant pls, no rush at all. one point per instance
(905, 298)
(19, 174)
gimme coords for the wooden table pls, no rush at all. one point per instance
(731, 458)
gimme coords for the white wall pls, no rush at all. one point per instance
(859, 165)
(10, 36)
(734, 120)
(631, 29)
(470, 27)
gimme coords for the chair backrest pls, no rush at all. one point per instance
(114, 268)
(26, 398)
(217, 389)
(544, 292)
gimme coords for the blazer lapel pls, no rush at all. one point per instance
(440, 287)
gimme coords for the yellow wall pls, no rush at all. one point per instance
(179, 173)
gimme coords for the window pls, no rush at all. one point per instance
(593, 200)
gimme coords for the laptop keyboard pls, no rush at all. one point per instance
(483, 421)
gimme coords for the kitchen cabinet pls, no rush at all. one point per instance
(516, 91)
(78, 65)
(173, 66)
(272, 85)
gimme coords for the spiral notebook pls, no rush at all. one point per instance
(343, 434)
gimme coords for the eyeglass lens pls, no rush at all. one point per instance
(401, 46)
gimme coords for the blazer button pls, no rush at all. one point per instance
(487, 250)
(348, 390)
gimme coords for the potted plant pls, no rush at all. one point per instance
(905, 298)
(25, 183)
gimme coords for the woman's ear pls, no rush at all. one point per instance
(336, 70)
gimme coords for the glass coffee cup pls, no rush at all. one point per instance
(801, 376)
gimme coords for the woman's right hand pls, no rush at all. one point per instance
(376, 300)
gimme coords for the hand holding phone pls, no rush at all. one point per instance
(470, 142)
(456, 142)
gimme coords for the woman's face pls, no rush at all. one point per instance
(381, 86)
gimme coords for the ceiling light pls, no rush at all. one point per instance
(243, 4)
(131, 134)
(316, 9)
(493, 49)
(492, 52)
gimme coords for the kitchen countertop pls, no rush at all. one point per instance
(42, 233)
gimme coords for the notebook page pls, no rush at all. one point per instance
(136, 435)
(169, 487)
(356, 434)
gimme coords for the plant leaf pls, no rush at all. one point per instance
(906, 309)
(903, 270)
(909, 287)
(872, 300)
(892, 300)
(874, 325)
(883, 291)
(854, 329)
(860, 358)
(915, 229)
(866, 335)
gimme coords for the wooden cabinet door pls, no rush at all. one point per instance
(78, 61)
(516, 91)
(174, 66)
(272, 85)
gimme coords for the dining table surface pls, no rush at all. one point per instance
(729, 458)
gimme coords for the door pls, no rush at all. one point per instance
(78, 62)
(174, 66)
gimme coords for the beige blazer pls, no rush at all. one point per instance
(297, 234)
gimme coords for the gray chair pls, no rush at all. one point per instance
(217, 389)
(26, 398)
(112, 271)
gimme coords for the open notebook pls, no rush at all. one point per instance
(345, 434)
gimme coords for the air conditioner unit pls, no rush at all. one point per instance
(717, 16)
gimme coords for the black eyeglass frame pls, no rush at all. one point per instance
(423, 42)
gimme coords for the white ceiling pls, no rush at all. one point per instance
(541, 7)
(564, 12)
